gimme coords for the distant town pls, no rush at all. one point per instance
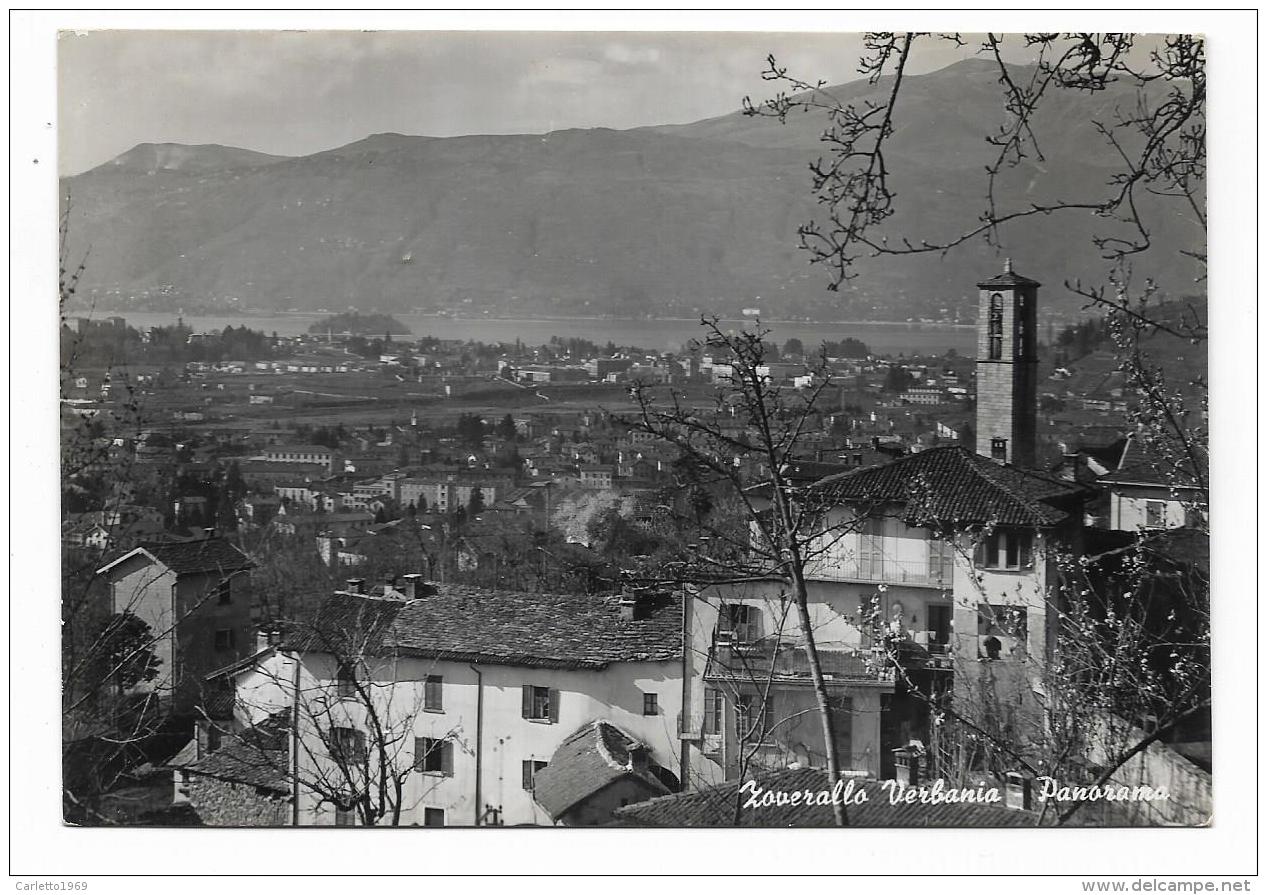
(275, 480)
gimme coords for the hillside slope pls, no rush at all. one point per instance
(651, 221)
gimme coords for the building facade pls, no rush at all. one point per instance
(194, 596)
(466, 693)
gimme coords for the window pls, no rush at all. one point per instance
(531, 767)
(714, 711)
(750, 716)
(741, 622)
(841, 708)
(871, 550)
(998, 449)
(540, 703)
(347, 746)
(433, 817)
(649, 705)
(941, 559)
(1155, 513)
(1006, 550)
(939, 622)
(996, 326)
(1002, 630)
(226, 639)
(346, 680)
(433, 756)
(433, 693)
(224, 592)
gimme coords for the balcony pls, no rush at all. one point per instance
(881, 570)
(790, 664)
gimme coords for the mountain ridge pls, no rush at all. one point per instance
(666, 220)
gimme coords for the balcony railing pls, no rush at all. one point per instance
(881, 570)
(791, 664)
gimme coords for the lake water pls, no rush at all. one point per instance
(659, 335)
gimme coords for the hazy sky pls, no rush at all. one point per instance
(295, 92)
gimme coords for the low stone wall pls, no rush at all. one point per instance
(223, 804)
(1191, 789)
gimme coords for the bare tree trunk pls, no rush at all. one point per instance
(800, 595)
(820, 692)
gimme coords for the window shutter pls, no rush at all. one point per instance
(527, 705)
(554, 706)
(755, 627)
(710, 709)
(446, 758)
(528, 773)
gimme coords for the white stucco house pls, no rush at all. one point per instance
(461, 695)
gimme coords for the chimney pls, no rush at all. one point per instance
(1018, 791)
(356, 585)
(266, 637)
(415, 586)
(907, 764)
(638, 758)
(633, 606)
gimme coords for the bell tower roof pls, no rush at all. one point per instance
(1007, 278)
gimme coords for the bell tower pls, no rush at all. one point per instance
(1007, 368)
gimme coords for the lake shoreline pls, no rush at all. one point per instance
(248, 315)
(661, 334)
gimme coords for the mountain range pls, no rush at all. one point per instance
(655, 221)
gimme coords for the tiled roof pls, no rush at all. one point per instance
(219, 700)
(593, 757)
(258, 756)
(469, 624)
(1108, 454)
(715, 807)
(1142, 464)
(813, 470)
(193, 557)
(953, 485)
(186, 756)
(1007, 278)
